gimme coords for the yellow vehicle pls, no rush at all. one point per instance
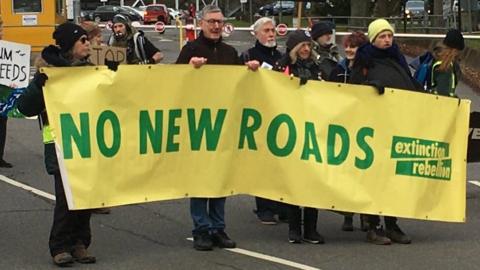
(32, 21)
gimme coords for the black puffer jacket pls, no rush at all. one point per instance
(385, 67)
(31, 102)
(262, 54)
(304, 69)
(216, 52)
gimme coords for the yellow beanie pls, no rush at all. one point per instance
(378, 26)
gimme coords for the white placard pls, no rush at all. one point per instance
(14, 63)
(29, 19)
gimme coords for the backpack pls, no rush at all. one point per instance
(423, 70)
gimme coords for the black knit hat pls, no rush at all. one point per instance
(454, 39)
(120, 18)
(67, 34)
(297, 37)
(321, 28)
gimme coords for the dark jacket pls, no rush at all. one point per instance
(262, 54)
(304, 69)
(142, 53)
(445, 82)
(385, 67)
(341, 73)
(216, 52)
(31, 102)
(327, 58)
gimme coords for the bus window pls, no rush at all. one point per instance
(27, 6)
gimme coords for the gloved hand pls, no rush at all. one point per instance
(378, 85)
(39, 79)
(112, 65)
(303, 80)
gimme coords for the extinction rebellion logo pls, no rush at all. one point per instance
(421, 158)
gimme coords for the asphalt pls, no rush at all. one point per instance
(154, 235)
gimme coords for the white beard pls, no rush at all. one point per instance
(270, 44)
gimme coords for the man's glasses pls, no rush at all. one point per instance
(213, 22)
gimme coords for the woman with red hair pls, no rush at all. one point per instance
(350, 43)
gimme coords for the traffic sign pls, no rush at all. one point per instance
(282, 29)
(228, 29)
(160, 27)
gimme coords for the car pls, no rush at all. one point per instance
(415, 9)
(287, 8)
(107, 12)
(139, 12)
(156, 13)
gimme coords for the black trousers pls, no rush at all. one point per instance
(374, 221)
(310, 216)
(269, 207)
(3, 134)
(69, 227)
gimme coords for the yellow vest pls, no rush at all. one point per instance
(452, 79)
(48, 135)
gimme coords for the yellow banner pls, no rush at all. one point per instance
(149, 133)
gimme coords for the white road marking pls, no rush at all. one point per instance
(268, 258)
(27, 188)
(235, 250)
(476, 183)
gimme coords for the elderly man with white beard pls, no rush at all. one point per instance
(265, 49)
(266, 53)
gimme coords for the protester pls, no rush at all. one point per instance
(325, 52)
(299, 59)
(446, 70)
(381, 64)
(70, 235)
(208, 214)
(266, 53)
(139, 49)
(94, 32)
(300, 62)
(342, 74)
(4, 92)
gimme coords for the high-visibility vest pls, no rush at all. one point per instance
(48, 135)
(451, 91)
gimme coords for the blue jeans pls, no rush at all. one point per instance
(207, 220)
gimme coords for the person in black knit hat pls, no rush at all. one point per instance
(299, 61)
(139, 49)
(446, 70)
(70, 234)
(325, 52)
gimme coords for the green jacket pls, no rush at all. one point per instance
(445, 82)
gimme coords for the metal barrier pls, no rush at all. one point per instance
(180, 27)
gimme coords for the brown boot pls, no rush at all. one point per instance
(63, 259)
(81, 255)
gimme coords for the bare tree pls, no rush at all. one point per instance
(359, 8)
(387, 8)
(438, 12)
